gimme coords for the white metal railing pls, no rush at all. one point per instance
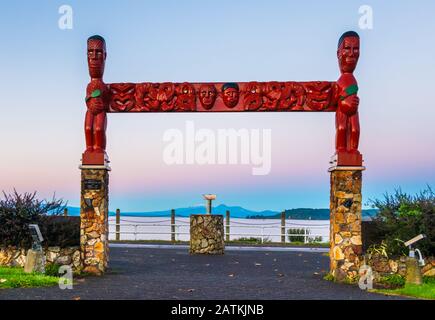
(175, 232)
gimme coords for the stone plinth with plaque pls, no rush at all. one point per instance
(94, 213)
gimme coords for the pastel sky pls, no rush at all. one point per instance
(43, 75)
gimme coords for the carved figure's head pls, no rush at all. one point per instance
(348, 51)
(230, 94)
(96, 56)
(207, 95)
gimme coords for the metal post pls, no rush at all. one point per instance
(135, 232)
(262, 234)
(118, 225)
(208, 206)
(65, 212)
(227, 231)
(208, 199)
(305, 235)
(283, 227)
(173, 225)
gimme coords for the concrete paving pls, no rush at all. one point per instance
(157, 273)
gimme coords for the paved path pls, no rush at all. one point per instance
(227, 248)
(149, 273)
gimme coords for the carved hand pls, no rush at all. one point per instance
(96, 105)
(350, 105)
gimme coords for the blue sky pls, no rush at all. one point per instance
(43, 74)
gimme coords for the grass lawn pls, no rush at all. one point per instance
(12, 277)
(425, 291)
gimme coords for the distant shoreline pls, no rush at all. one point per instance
(235, 212)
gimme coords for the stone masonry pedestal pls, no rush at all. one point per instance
(207, 234)
(94, 213)
(345, 229)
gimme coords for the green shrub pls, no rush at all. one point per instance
(428, 280)
(392, 281)
(17, 211)
(402, 217)
(52, 270)
(302, 235)
(250, 239)
(328, 277)
(296, 234)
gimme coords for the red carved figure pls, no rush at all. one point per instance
(273, 94)
(147, 96)
(207, 96)
(186, 97)
(96, 101)
(253, 96)
(347, 120)
(166, 95)
(230, 94)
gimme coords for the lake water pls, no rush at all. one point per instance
(158, 228)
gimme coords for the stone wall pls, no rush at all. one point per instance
(15, 257)
(94, 219)
(207, 234)
(383, 266)
(345, 229)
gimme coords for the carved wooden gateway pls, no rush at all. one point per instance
(340, 97)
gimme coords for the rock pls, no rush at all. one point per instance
(51, 256)
(54, 249)
(204, 243)
(338, 239)
(35, 262)
(339, 217)
(351, 218)
(93, 235)
(338, 253)
(64, 260)
(356, 226)
(430, 273)
(380, 264)
(342, 209)
(394, 266)
(343, 195)
(346, 234)
(346, 266)
(356, 240)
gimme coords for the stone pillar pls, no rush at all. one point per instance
(94, 212)
(345, 217)
(207, 234)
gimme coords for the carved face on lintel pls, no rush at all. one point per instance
(186, 97)
(123, 96)
(348, 51)
(207, 96)
(230, 94)
(96, 56)
(318, 95)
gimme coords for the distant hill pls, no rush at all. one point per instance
(236, 212)
(310, 214)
